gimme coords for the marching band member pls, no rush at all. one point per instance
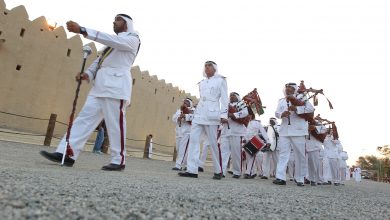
(254, 128)
(232, 135)
(332, 152)
(271, 156)
(343, 165)
(183, 118)
(211, 111)
(313, 148)
(292, 134)
(358, 174)
(109, 95)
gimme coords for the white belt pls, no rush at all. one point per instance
(208, 99)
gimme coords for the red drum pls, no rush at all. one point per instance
(254, 145)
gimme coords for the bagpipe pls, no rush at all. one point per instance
(332, 126)
(184, 111)
(305, 95)
(253, 102)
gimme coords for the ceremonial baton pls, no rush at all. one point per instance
(68, 149)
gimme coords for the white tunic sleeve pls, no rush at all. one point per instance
(120, 41)
(224, 100)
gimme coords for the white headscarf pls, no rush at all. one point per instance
(190, 101)
(294, 85)
(274, 120)
(216, 74)
(236, 95)
(129, 23)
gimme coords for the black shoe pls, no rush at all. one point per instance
(113, 167)
(200, 169)
(313, 183)
(187, 174)
(319, 184)
(176, 169)
(247, 176)
(291, 179)
(185, 168)
(223, 176)
(236, 176)
(230, 172)
(300, 184)
(264, 178)
(337, 184)
(217, 176)
(279, 182)
(57, 157)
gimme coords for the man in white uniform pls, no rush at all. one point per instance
(271, 156)
(109, 95)
(211, 111)
(255, 128)
(313, 148)
(292, 134)
(232, 135)
(332, 152)
(343, 166)
(183, 129)
(358, 174)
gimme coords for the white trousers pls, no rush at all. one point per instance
(321, 171)
(291, 166)
(298, 146)
(194, 147)
(231, 146)
(254, 163)
(334, 169)
(93, 112)
(259, 163)
(182, 150)
(343, 174)
(270, 160)
(313, 162)
(203, 156)
(326, 173)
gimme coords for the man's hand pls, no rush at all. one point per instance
(82, 77)
(286, 114)
(73, 27)
(292, 108)
(224, 121)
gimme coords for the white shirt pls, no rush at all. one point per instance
(312, 144)
(213, 103)
(331, 147)
(236, 129)
(255, 128)
(185, 127)
(298, 126)
(113, 79)
(271, 132)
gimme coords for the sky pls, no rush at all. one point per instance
(340, 46)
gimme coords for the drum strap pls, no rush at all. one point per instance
(276, 136)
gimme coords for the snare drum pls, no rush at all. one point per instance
(254, 145)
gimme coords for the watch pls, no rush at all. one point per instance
(83, 30)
